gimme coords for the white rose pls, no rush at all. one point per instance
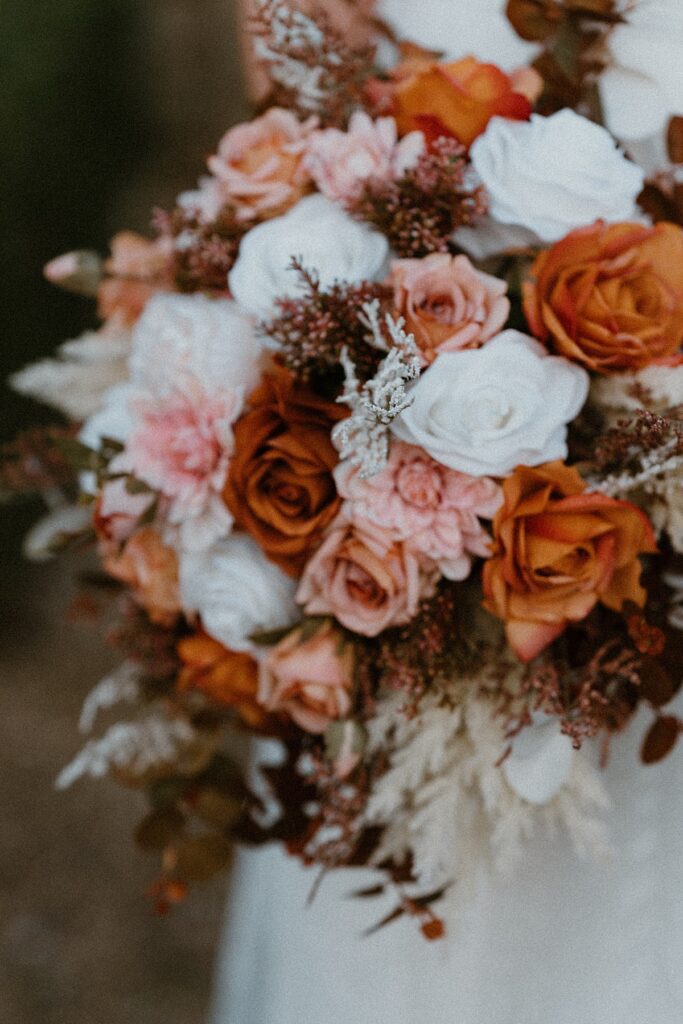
(236, 591)
(326, 239)
(461, 27)
(484, 411)
(541, 760)
(553, 174)
(191, 335)
(643, 85)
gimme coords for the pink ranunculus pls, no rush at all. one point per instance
(309, 680)
(447, 303)
(434, 510)
(258, 167)
(340, 163)
(365, 578)
(181, 447)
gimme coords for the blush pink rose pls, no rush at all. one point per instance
(364, 578)
(434, 510)
(258, 166)
(341, 162)
(309, 680)
(447, 303)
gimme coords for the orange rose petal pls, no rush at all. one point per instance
(528, 639)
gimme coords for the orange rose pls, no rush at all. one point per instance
(280, 487)
(150, 568)
(610, 296)
(457, 99)
(559, 551)
(228, 678)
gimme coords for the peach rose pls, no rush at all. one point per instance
(150, 568)
(118, 512)
(309, 680)
(280, 487)
(227, 678)
(363, 577)
(136, 270)
(610, 296)
(258, 167)
(448, 304)
(559, 551)
(458, 99)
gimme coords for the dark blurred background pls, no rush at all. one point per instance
(107, 108)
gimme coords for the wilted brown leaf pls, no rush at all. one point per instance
(159, 828)
(199, 858)
(660, 739)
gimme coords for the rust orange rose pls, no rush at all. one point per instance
(559, 551)
(228, 678)
(610, 296)
(280, 487)
(457, 98)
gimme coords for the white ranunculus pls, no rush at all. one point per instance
(327, 240)
(540, 762)
(209, 340)
(643, 85)
(553, 174)
(461, 27)
(236, 591)
(484, 411)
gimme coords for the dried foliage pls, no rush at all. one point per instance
(203, 253)
(36, 462)
(449, 636)
(641, 452)
(419, 211)
(571, 34)
(312, 68)
(312, 330)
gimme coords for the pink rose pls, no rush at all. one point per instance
(448, 304)
(365, 578)
(258, 167)
(309, 680)
(434, 510)
(341, 162)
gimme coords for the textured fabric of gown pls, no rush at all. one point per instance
(563, 941)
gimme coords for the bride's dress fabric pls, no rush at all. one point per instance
(563, 941)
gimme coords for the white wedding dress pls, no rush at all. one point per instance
(563, 941)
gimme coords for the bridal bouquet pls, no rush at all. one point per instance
(379, 446)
